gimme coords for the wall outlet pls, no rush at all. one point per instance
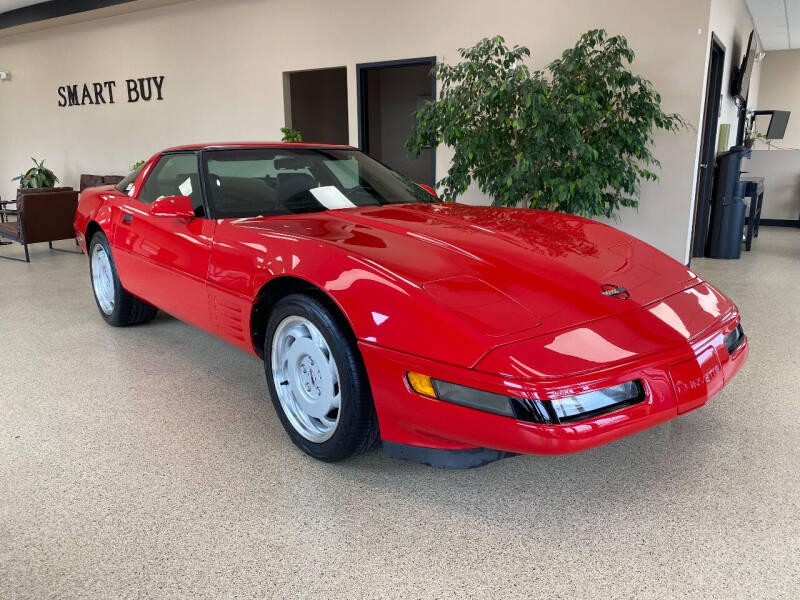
(5, 75)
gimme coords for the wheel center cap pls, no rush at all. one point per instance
(309, 377)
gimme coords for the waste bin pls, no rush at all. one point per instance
(728, 205)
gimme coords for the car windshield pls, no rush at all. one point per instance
(124, 186)
(280, 181)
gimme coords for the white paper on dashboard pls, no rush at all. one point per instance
(330, 197)
(186, 187)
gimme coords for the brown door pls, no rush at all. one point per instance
(388, 95)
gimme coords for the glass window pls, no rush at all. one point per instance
(125, 185)
(281, 181)
(346, 171)
(174, 175)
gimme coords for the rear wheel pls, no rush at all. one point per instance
(317, 381)
(117, 306)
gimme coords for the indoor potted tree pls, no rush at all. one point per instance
(575, 137)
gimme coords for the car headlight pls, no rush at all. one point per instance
(734, 339)
(562, 410)
(591, 404)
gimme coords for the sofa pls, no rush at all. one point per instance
(88, 181)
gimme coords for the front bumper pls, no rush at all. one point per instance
(676, 380)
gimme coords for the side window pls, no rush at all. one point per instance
(174, 175)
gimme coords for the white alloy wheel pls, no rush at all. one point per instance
(306, 378)
(103, 279)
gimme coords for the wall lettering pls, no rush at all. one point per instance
(142, 89)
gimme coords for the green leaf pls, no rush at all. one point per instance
(37, 176)
(573, 137)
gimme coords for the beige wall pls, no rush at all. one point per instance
(223, 64)
(731, 22)
(781, 173)
(780, 90)
(780, 163)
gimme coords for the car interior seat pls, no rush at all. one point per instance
(240, 195)
(294, 192)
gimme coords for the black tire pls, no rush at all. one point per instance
(128, 309)
(357, 428)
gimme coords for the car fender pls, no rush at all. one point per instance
(380, 306)
(93, 206)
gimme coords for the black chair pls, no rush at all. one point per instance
(5, 211)
(3, 217)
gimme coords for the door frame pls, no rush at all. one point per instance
(708, 148)
(361, 95)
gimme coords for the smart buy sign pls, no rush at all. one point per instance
(141, 89)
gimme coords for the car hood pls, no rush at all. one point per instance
(504, 270)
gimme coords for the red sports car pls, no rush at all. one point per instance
(454, 335)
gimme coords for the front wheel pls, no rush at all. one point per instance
(317, 381)
(117, 306)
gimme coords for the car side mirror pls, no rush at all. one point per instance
(173, 206)
(428, 189)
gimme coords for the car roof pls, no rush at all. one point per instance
(226, 145)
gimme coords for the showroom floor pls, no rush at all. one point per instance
(147, 462)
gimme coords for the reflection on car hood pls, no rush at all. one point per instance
(551, 265)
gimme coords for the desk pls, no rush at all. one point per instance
(753, 189)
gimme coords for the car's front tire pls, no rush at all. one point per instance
(317, 381)
(116, 305)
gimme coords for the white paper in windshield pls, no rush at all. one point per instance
(186, 187)
(330, 197)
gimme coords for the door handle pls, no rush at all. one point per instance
(127, 218)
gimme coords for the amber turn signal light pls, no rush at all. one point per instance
(421, 384)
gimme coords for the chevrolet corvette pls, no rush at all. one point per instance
(453, 335)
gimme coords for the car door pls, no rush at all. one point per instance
(164, 260)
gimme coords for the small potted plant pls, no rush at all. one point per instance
(750, 133)
(38, 176)
(291, 135)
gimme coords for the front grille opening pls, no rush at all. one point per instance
(734, 339)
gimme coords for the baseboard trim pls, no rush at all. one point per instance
(780, 222)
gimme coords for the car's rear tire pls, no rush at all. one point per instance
(116, 306)
(317, 381)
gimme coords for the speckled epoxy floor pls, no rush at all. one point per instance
(147, 462)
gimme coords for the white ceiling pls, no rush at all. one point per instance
(777, 23)
(6, 5)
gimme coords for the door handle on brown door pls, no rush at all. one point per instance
(127, 218)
